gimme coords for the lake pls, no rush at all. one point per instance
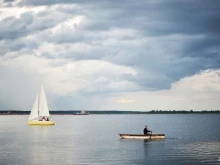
(94, 140)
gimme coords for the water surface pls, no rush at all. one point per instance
(93, 139)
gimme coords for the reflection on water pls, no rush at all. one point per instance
(194, 153)
(93, 139)
(205, 152)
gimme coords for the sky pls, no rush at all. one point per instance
(110, 54)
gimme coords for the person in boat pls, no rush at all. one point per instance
(146, 131)
(48, 119)
(43, 119)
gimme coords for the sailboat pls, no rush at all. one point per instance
(40, 113)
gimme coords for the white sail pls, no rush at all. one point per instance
(43, 107)
(34, 110)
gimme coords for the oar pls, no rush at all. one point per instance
(150, 134)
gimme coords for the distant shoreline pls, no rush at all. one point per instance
(110, 112)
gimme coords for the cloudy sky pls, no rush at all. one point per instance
(110, 54)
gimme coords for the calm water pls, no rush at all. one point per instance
(93, 139)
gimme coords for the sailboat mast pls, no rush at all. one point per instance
(39, 104)
(43, 107)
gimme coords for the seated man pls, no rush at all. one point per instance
(146, 131)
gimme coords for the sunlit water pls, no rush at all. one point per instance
(93, 139)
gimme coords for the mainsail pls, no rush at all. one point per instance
(43, 107)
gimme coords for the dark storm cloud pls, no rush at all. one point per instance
(156, 17)
(152, 17)
(177, 17)
(53, 2)
(205, 50)
(27, 23)
(183, 35)
(11, 27)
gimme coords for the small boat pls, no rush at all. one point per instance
(142, 136)
(81, 113)
(40, 110)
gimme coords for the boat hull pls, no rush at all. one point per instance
(142, 136)
(80, 114)
(41, 123)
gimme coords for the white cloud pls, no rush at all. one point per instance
(68, 26)
(206, 81)
(60, 77)
(197, 92)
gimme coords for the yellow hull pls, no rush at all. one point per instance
(41, 123)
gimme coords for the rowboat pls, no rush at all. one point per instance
(142, 136)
